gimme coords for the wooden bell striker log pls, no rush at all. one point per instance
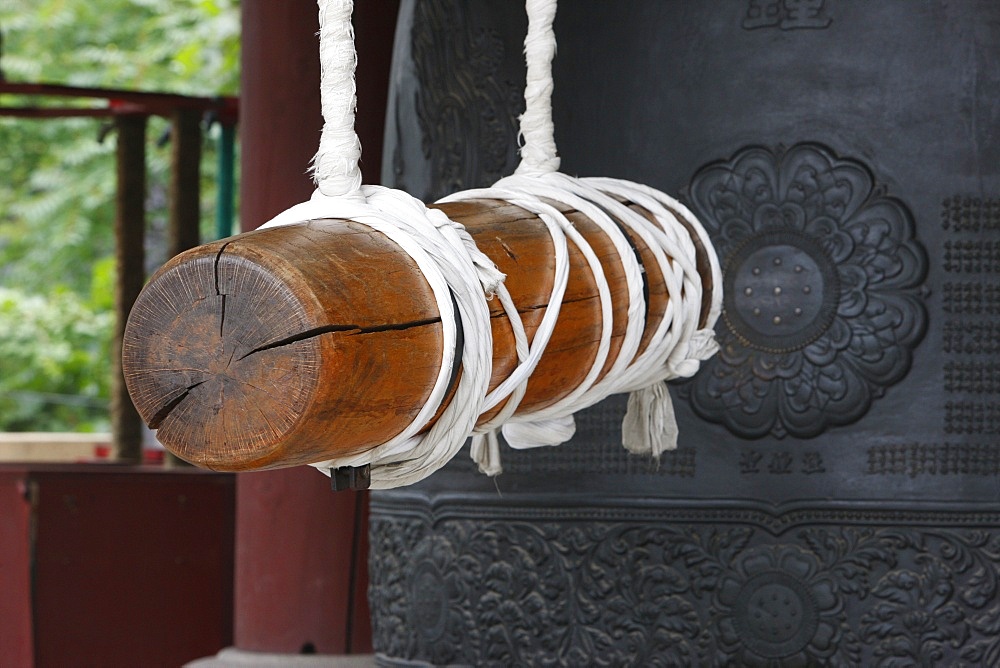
(297, 344)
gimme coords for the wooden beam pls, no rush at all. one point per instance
(160, 104)
(185, 181)
(56, 112)
(130, 226)
(296, 344)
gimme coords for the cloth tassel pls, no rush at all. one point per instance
(650, 426)
(701, 346)
(524, 435)
(486, 453)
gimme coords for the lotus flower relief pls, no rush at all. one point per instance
(778, 607)
(821, 279)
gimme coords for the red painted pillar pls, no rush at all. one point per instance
(301, 549)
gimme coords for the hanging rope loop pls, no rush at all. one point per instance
(678, 345)
(538, 150)
(335, 167)
(462, 278)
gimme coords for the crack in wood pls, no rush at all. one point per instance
(507, 249)
(161, 415)
(354, 330)
(576, 300)
(222, 315)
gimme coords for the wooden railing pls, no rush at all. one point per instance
(131, 111)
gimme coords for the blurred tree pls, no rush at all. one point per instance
(57, 183)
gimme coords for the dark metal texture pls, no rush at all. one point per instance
(833, 499)
(532, 580)
(351, 477)
(824, 291)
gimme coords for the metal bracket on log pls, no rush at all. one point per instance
(351, 478)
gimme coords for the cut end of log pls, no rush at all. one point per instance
(229, 356)
(246, 356)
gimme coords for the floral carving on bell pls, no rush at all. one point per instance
(434, 597)
(779, 606)
(822, 277)
(692, 588)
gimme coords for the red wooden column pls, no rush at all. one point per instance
(301, 549)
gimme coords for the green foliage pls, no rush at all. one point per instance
(52, 362)
(57, 182)
(182, 46)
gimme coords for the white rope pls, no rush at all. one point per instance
(485, 446)
(667, 355)
(675, 242)
(628, 188)
(462, 278)
(677, 346)
(534, 428)
(670, 353)
(454, 267)
(649, 426)
(540, 420)
(554, 424)
(458, 273)
(538, 151)
(335, 167)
